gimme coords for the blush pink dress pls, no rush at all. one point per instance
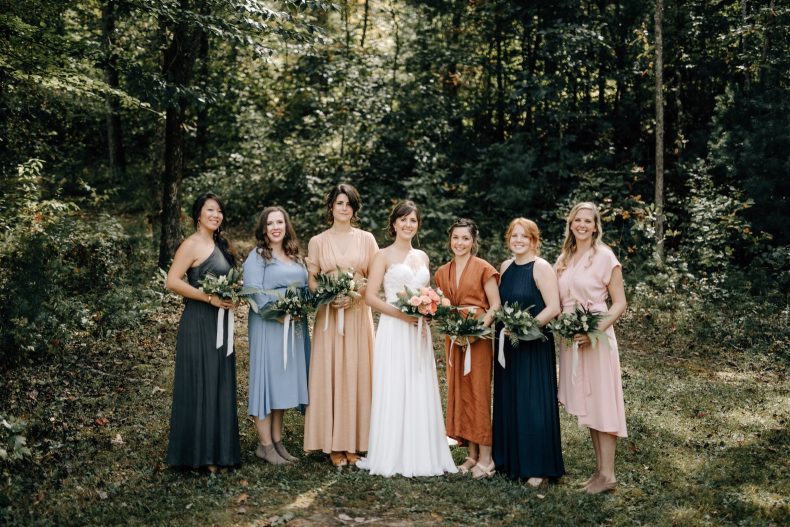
(595, 396)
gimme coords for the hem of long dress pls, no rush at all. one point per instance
(464, 441)
(617, 433)
(188, 466)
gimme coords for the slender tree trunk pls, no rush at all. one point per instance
(500, 82)
(659, 188)
(201, 128)
(602, 63)
(117, 155)
(396, 56)
(364, 24)
(178, 63)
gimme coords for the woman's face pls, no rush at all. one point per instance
(275, 227)
(519, 243)
(461, 241)
(583, 225)
(406, 226)
(342, 211)
(211, 215)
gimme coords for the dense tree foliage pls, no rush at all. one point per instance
(483, 108)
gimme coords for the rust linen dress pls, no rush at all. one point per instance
(468, 396)
(339, 381)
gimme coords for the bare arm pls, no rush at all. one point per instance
(492, 294)
(375, 279)
(183, 259)
(546, 280)
(616, 290)
(312, 264)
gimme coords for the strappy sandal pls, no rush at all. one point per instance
(464, 468)
(536, 482)
(338, 459)
(480, 472)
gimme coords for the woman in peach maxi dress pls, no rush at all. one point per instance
(339, 386)
(470, 282)
(589, 274)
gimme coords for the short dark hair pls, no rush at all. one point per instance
(353, 200)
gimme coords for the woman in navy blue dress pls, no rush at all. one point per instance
(526, 427)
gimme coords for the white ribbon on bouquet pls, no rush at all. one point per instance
(341, 319)
(289, 326)
(221, 332)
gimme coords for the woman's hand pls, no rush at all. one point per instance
(223, 303)
(581, 339)
(342, 302)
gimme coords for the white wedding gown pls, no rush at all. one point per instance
(407, 434)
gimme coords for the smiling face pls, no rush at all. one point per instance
(520, 243)
(406, 226)
(461, 241)
(211, 215)
(583, 225)
(275, 227)
(342, 211)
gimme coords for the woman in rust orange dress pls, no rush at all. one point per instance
(470, 282)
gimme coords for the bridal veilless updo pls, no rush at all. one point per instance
(353, 200)
(219, 238)
(401, 209)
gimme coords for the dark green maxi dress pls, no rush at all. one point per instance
(204, 428)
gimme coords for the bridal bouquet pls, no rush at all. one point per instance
(425, 302)
(518, 323)
(579, 321)
(229, 286)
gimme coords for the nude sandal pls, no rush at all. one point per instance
(464, 469)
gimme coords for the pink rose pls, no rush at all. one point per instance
(415, 301)
(425, 299)
(446, 302)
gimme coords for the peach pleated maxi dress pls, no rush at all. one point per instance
(339, 385)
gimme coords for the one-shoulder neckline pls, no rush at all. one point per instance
(198, 266)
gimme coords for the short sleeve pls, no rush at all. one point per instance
(608, 262)
(489, 271)
(313, 260)
(371, 248)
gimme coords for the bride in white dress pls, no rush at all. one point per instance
(407, 434)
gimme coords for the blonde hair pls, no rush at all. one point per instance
(569, 244)
(530, 229)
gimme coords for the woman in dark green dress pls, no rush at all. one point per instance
(526, 427)
(204, 430)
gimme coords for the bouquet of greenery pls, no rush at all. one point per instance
(336, 285)
(294, 303)
(289, 307)
(519, 324)
(230, 287)
(579, 321)
(462, 328)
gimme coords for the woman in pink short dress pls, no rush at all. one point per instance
(589, 275)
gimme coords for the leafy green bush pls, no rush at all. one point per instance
(64, 275)
(13, 444)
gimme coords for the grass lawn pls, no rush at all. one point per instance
(708, 445)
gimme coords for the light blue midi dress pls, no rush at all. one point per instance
(275, 384)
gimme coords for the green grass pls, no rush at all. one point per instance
(708, 444)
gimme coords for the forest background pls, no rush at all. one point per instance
(114, 115)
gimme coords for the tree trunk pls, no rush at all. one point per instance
(178, 63)
(500, 82)
(659, 188)
(114, 127)
(364, 24)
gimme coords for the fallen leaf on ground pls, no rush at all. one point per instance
(102, 421)
(241, 498)
(117, 440)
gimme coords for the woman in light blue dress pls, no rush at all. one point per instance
(278, 361)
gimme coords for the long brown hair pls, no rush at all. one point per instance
(401, 209)
(569, 244)
(290, 241)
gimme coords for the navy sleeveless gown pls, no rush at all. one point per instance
(526, 426)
